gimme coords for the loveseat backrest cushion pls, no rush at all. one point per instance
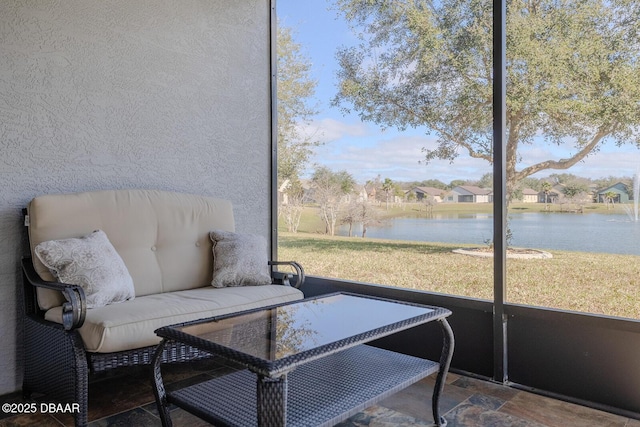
(162, 237)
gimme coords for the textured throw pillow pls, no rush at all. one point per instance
(239, 259)
(92, 263)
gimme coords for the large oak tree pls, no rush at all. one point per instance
(573, 74)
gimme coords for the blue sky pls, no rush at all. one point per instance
(365, 151)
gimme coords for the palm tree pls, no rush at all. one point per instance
(546, 188)
(387, 187)
(610, 197)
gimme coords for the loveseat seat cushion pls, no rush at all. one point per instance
(131, 324)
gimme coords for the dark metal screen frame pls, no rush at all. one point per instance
(273, 73)
(486, 322)
(499, 174)
(500, 370)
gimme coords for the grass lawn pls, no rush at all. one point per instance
(596, 283)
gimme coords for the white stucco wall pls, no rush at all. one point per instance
(101, 94)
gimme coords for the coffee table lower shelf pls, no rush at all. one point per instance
(319, 393)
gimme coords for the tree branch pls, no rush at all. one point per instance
(563, 163)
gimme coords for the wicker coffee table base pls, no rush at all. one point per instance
(319, 393)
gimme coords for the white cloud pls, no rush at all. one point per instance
(610, 161)
(622, 163)
(393, 156)
(328, 130)
(365, 151)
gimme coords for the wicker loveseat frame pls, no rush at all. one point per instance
(56, 361)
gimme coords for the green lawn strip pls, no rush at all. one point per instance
(596, 283)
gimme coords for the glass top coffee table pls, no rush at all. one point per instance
(307, 362)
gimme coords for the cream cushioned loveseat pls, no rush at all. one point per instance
(163, 239)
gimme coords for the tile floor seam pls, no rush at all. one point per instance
(502, 405)
(467, 400)
(115, 414)
(156, 416)
(420, 419)
(57, 420)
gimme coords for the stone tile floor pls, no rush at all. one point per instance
(126, 399)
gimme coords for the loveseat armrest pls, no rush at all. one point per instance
(286, 277)
(74, 310)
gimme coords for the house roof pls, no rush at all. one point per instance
(474, 190)
(618, 187)
(529, 191)
(432, 191)
(552, 191)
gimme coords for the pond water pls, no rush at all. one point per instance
(561, 231)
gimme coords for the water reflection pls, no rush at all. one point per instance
(287, 330)
(634, 212)
(606, 233)
(294, 333)
(323, 321)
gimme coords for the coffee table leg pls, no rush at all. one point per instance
(272, 401)
(158, 387)
(445, 362)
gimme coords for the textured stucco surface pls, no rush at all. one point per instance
(97, 94)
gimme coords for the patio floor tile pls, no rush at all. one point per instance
(127, 400)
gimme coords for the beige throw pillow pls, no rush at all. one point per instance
(92, 263)
(239, 259)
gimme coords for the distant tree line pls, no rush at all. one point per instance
(537, 184)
